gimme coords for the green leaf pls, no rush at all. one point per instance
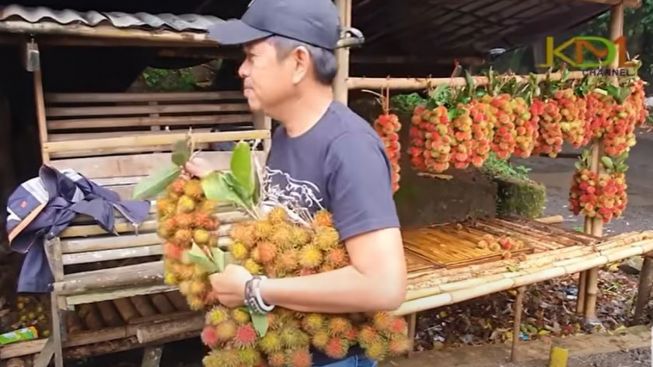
(199, 258)
(260, 322)
(181, 152)
(155, 183)
(217, 188)
(607, 162)
(241, 167)
(218, 258)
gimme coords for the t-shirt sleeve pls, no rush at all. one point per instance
(359, 185)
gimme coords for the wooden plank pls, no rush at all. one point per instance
(125, 253)
(135, 165)
(22, 348)
(45, 355)
(96, 153)
(94, 230)
(149, 333)
(142, 110)
(115, 122)
(131, 275)
(109, 243)
(112, 294)
(112, 134)
(52, 98)
(153, 139)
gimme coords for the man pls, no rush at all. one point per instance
(323, 156)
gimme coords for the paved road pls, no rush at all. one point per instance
(556, 175)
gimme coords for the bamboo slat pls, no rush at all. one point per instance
(108, 295)
(115, 122)
(55, 98)
(153, 139)
(143, 110)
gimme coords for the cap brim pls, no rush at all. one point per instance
(235, 32)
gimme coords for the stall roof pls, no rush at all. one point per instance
(392, 27)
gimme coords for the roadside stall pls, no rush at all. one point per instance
(109, 292)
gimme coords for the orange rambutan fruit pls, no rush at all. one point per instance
(326, 238)
(208, 336)
(320, 339)
(300, 358)
(337, 257)
(336, 348)
(323, 218)
(277, 359)
(240, 315)
(338, 326)
(172, 251)
(226, 331)
(277, 215)
(382, 321)
(245, 336)
(399, 345)
(266, 251)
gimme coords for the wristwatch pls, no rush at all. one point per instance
(253, 298)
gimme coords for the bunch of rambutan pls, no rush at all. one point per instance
(525, 127)
(482, 131)
(461, 144)
(503, 142)
(387, 125)
(431, 138)
(185, 217)
(550, 139)
(277, 246)
(573, 113)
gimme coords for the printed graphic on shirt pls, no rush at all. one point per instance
(302, 198)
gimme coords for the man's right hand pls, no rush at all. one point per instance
(198, 167)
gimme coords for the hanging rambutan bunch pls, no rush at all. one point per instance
(482, 131)
(387, 126)
(525, 127)
(461, 143)
(550, 138)
(572, 111)
(503, 142)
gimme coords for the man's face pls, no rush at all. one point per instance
(267, 81)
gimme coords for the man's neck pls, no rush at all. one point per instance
(302, 113)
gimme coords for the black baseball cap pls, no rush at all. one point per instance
(315, 22)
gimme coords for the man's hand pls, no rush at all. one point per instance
(229, 286)
(198, 167)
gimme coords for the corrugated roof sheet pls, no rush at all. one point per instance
(141, 20)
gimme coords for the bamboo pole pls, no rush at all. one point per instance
(40, 114)
(519, 306)
(616, 31)
(425, 83)
(340, 89)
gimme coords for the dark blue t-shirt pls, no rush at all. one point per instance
(339, 165)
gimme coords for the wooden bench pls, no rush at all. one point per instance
(116, 139)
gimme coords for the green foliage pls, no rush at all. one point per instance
(520, 197)
(169, 80)
(499, 168)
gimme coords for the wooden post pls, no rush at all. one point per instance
(412, 330)
(39, 101)
(340, 88)
(519, 306)
(616, 31)
(645, 286)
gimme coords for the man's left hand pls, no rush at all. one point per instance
(230, 285)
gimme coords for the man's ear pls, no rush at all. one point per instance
(302, 60)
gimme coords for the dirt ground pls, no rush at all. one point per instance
(630, 348)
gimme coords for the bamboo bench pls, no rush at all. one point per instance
(115, 139)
